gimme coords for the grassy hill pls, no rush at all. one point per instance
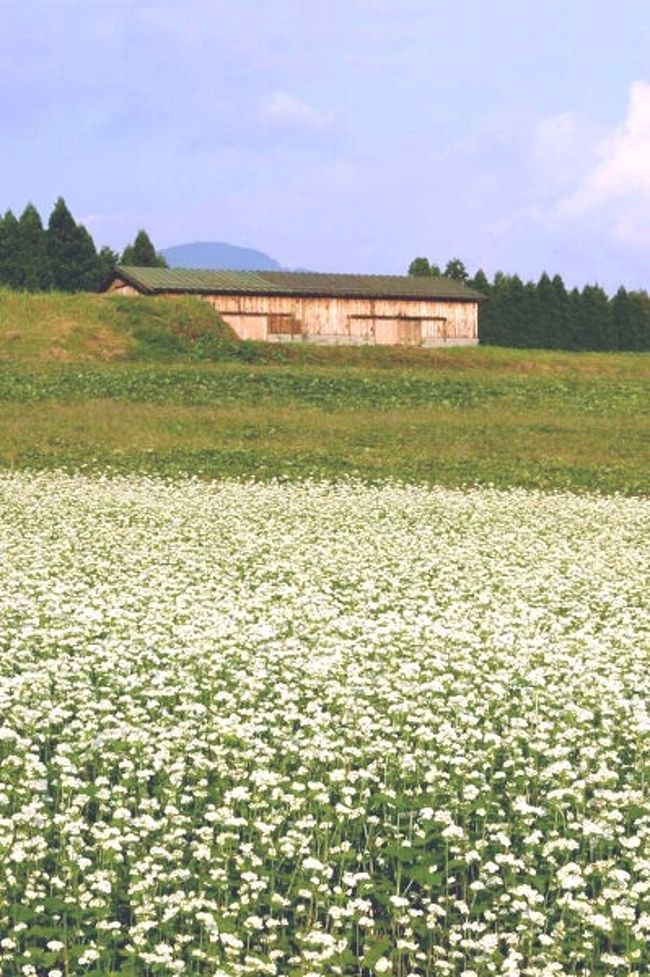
(86, 328)
(124, 383)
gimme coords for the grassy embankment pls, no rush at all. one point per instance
(148, 384)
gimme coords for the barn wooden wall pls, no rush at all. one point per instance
(279, 318)
(350, 320)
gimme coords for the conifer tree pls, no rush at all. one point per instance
(142, 253)
(73, 258)
(480, 282)
(552, 305)
(631, 319)
(640, 321)
(545, 326)
(596, 328)
(9, 250)
(491, 321)
(420, 268)
(559, 319)
(456, 269)
(107, 260)
(512, 325)
(33, 272)
(623, 319)
(531, 325)
(89, 268)
(575, 337)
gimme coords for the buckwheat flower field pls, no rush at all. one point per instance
(322, 729)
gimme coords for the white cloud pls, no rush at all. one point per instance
(617, 186)
(281, 108)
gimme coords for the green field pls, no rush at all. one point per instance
(101, 382)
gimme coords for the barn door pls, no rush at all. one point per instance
(361, 329)
(409, 332)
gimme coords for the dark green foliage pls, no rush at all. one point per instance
(456, 269)
(480, 282)
(420, 268)
(555, 303)
(107, 261)
(24, 261)
(546, 316)
(73, 258)
(142, 253)
(623, 318)
(545, 325)
(639, 329)
(631, 319)
(594, 320)
(9, 246)
(89, 269)
(61, 257)
(31, 262)
(62, 245)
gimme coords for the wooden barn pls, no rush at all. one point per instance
(277, 306)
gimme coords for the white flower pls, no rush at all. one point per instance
(242, 707)
(398, 901)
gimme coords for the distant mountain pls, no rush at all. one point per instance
(217, 254)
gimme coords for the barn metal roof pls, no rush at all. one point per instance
(152, 280)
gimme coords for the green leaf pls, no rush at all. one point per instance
(377, 950)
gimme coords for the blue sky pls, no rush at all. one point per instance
(340, 135)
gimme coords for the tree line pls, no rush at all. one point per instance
(63, 255)
(547, 315)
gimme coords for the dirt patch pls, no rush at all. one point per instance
(61, 328)
(72, 340)
(58, 353)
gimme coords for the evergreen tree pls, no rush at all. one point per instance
(73, 258)
(552, 304)
(89, 267)
(640, 319)
(513, 302)
(480, 282)
(624, 320)
(456, 269)
(574, 333)
(491, 313)
(107, 261)
(545, 326)
(596, 324)
(420, 268)
(33, 271)
(9, 250)
(142, 253)
(558, 328)
(531, 326)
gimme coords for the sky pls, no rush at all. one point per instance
(340, 135)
